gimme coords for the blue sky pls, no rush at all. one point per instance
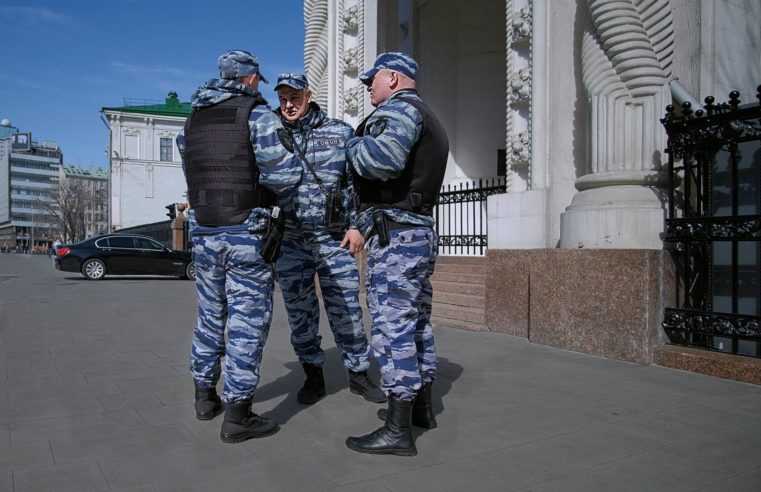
(65, 60)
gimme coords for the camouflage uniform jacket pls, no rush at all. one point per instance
(278, 169)
(382, 152)
(323, 142)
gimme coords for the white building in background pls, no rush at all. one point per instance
(144, 162)
(93, 184)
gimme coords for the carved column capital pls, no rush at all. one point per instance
(351, 59)
(521, 25)
(353, 99)
(519, 146)
(351, 19)
(520, 84)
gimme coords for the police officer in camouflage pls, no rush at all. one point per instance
(320, 238)
(398, 157)
(233, 162)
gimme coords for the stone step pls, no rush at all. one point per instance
(718, 364)
(459, 288)
(466, 278)
(456, 323)
(462, 313)
(460, 268)
(461, 260)
(459, 299)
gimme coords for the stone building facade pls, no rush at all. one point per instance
(144, 162)
(572, 91)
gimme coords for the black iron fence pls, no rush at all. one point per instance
(461, 216)
(714, 225)
(160, 231)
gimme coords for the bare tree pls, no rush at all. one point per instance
(68, 205)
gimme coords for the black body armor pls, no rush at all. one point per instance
(220, 165)
(417, 188)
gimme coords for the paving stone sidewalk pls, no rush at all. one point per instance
(95, 395)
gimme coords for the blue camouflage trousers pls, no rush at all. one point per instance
(234, 289)
(399, 297)
(302, 254)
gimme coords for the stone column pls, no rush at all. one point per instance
(316, 48)
(626, 58)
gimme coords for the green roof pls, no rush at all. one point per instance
(170, 107)
(85, 172)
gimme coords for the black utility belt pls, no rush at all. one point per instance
(382, 225)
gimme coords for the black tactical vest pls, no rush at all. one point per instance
(417, 188)
(220, 165)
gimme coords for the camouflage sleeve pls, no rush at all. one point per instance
(349, 190)
(279, 170)
(382, 152)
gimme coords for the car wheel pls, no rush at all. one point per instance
(190, 271)
(93, 269)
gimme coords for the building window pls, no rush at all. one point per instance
(166, 150)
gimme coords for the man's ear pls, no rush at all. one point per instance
(307, 96)
(393, 80)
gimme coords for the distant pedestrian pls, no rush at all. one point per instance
(230, 153)
(55, 245)
(399, 156)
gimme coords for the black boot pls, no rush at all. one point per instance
(314, 386)
(207, 405)
(361, 384)
(241, 423)
(394, 437)
(422, 410)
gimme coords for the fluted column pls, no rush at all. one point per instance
(316, 48)
(626, 57)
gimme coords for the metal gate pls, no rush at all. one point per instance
(714, 226)
(461, 216)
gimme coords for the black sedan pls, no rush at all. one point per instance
(123, 254)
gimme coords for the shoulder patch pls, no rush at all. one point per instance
(285, 138)
(377, 127)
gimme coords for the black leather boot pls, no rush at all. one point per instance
(422, 410)
(314, 386)
(394, 437)
(241, 423)
(207, 405)
(361, 384)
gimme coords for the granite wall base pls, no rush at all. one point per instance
(602, 302)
